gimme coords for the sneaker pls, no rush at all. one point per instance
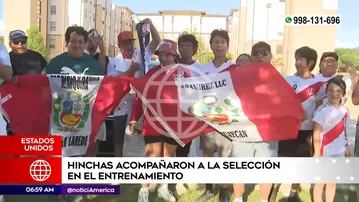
(223, 195)
(143, 195)
(206, 196)
(293, 198)
(166, 194)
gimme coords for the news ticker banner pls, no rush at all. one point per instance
(43, 171)
(209, 170)
(59, 189)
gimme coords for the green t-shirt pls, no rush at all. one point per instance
(65, 64)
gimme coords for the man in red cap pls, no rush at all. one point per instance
(128, 62)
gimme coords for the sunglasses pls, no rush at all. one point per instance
(17, 42)
(260, 53)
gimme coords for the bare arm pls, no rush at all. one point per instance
(102, 55)
(353, 74)
(5, 64)
(156, 38)
(355, 95)
(5, 72)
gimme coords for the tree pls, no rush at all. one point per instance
(204, 54)
(36, 42)
(277, 62)
(348, 55)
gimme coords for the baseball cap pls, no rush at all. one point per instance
(261, 44)
(125, 36)
(329, 54)
(17, 34)
(167, 46)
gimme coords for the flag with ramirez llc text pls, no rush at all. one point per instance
(251, 103)
(72, 106)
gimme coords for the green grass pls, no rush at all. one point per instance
(129, 194)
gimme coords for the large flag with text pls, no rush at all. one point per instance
(251, 103)
(72, 106)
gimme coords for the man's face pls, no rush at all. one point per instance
(186, 50)
(301, 64)
(329, 66)
(18, 45)
(76, 45)
(91, 45)
(127, 47)
(219, 46)
(261, 55)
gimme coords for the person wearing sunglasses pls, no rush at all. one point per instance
(261, 52)
(24, 61)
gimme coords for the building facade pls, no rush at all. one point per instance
(120, 20)
(234, 31)
(170, 24)
(264, 20)
(33, 13)
(66, 13)
(321, 38)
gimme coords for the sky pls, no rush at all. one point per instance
(347, 32)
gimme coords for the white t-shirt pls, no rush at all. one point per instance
(119, 65)
(306, 90)
(333, 137)
(5, 60)
(195, 68)
(322, 95)
(209, 68)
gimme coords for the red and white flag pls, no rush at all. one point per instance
(72, 106)
(251, 103)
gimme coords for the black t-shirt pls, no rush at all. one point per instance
(30, 62)
(97, 55)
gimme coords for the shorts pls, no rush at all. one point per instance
(158, 139)
(183, 151)
(213, 142)
(255, 149)
(300, 147)
(119, 128)
(101, 135)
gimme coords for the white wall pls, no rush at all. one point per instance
(81, 13)
(268, 23)
(58, 18)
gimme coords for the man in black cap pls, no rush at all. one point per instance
(95, 42)
(24, 61)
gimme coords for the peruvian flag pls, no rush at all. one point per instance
(248, 104)
(72, 106)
